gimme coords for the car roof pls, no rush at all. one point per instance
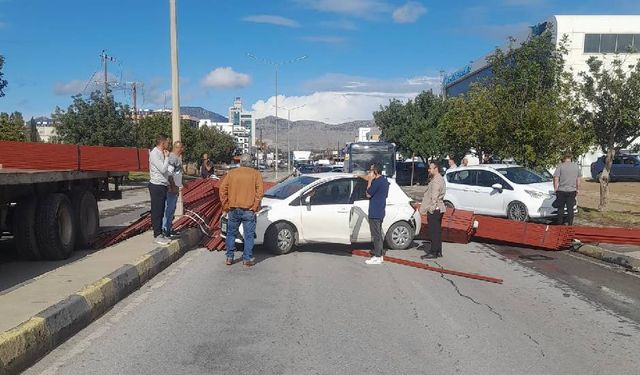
(484, 166)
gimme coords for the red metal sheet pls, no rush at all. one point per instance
(43, 156)
(115, 159)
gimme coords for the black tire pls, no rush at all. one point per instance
(86, 217)
(400, 236)
(448, 204)
(517, 211)
(55, 227)
(24, 230)
(280, 238)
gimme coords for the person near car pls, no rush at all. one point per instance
(206, 167)
(377, 192)
(465, 162)
(452, 164)
(566, 183)
(158, 186)
(433, 206)
(174, 176)
(241, 192)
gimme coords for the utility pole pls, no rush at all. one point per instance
(134, 93)
(276, 156)
(175, 96)
(106, 58)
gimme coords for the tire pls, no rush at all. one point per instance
(24, 230)
(55, 227)
(280, 238)
(448, 204)
(400, 236)
(517, 211)
(86, 217)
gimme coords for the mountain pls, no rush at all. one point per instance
(201, 113)
(310, 135)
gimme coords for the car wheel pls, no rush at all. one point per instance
(280, 238)
(517, 211)
(400, 236)
(448, 204)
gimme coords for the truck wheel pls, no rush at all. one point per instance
(24, 230)
(55, 227)
(86, 217)
(280, 238)
(400, 236)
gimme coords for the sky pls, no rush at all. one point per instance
(358, 53)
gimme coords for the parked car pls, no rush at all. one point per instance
(329, 208)
(307, 169)
(501, 190)
(403, 173)
(624, 167)
(337, 169)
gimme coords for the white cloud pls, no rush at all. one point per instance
(330, 107)
(226, 78)
(345, 82)
(272, 20)
(409, 12)
(78, 86)
(357, 8)
(327, 39)
(339, 24)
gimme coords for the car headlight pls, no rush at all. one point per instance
(537, 194)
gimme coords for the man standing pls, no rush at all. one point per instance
(175, 183)
(465, 162)
(452, 164)
(433, 206)
(206, 167)
(566, 183)
(158, 183)
(377, 192)
(240, 193)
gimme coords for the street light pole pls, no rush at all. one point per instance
(288, 133)
(276, 155)
(175, 95)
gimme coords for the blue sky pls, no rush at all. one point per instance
(360, 52)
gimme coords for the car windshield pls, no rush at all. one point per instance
(286, 189)
(522, 175)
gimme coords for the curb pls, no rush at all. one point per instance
(609, 256)
(24, 345)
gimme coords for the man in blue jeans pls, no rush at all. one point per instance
(175, 172)
(241, 193)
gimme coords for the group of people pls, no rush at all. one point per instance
(432, 205)
(165, 181)
(453, 165)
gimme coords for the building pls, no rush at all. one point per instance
(368, 135)
(604, 36)
(241, 126)
(46, 129)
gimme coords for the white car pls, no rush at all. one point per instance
(501, 190)
(329, 208)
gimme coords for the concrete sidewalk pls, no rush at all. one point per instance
(627, 256)
(46, 310)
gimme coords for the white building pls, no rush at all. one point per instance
(241, 126)
(605, 36)
(46, 128)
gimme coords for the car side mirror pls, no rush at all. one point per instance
(497, 187)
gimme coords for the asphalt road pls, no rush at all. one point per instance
(325, 312)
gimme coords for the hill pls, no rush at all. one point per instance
(201, 113)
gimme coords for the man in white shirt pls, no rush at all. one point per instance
(174, 177)
(158, 185)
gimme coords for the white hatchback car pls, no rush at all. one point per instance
(501, 190)
(329, 208)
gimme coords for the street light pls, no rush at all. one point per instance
(288, 132)
(276, 66)
(175, 96)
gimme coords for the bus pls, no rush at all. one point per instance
(359, 157)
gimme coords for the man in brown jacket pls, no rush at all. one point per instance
(433, 206)
(240, 193)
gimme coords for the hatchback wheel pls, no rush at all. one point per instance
(280, 238)
(517, 211)
(400, 236)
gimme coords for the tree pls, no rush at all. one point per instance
(220, 146)
(95, 121)
(3, 82)
(414, 126)
(610, 107)
(534, 99)
(12, 127)
(32, 132)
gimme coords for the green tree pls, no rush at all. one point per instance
(3, 82)
(610, 107)
(12, 127)
(218, 145)
(534, 98)
(32, 132)
(95, 121)
(414, 126)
